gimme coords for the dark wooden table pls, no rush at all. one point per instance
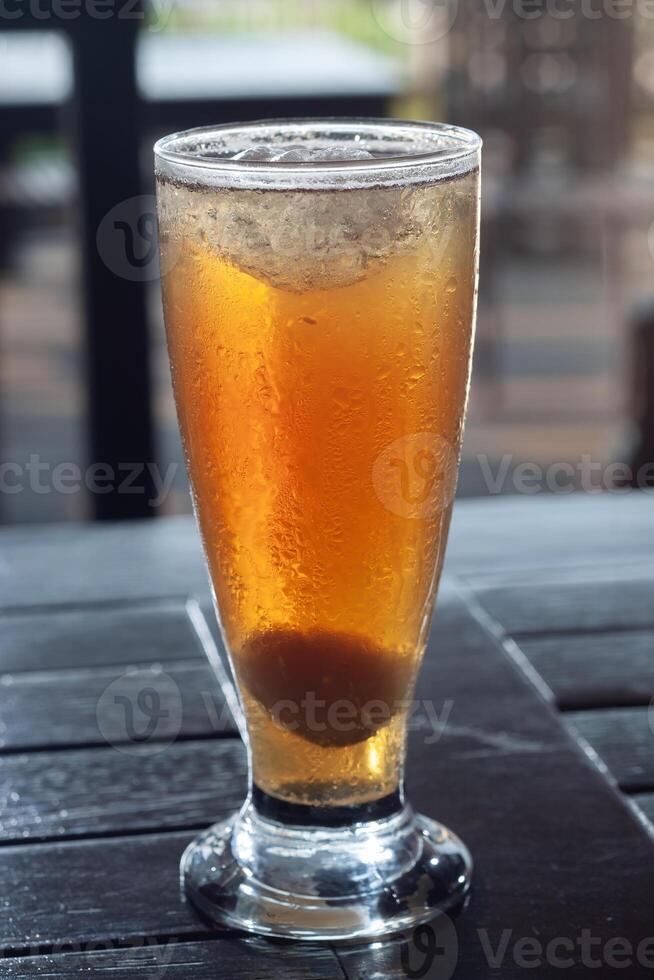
(541, 653)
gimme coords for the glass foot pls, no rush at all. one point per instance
(367, 879)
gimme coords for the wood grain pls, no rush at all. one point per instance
(53, 565)
(121, 889)
(601, 670)
(572, 607)
(549, 535)
(624, 740)
(93, 792)
(232, 958)
(97, 636)
(59, 708)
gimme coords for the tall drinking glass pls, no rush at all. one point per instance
(319, 283)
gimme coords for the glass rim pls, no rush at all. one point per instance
(462, 145)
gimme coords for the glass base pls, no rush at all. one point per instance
(308, 881)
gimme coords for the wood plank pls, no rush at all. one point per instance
(98, 636)
(92, 792)
(623, 568)
(233, 958)
(577, 607)
(500, 535)
(600, 670)
(122, 889)
(103, 563)
(624, 740)
(119, 706)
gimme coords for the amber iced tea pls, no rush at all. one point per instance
(320, 347)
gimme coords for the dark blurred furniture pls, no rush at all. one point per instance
(541, 646)
(103, 126)
(642, 462)
(109, 123)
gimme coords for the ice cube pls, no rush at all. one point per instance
(294, 154)
(344, 153)
(255, 153)
(297, 153)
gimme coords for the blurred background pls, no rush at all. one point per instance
(563, 95)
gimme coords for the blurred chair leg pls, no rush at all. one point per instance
(117, 345)
(642, 463)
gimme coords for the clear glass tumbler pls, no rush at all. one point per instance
(319, 283)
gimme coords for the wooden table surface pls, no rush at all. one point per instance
(116, 746)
